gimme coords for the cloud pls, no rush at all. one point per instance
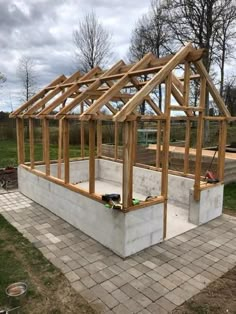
(43, 30)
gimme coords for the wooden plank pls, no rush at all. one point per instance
(158, 150)
(187, 146)
(60, 148)
(36, 97)
(82, 133)
(212, 89)
(186, 84)
(92, 127)
(99, 138)
(31, 142)
(165, 151)
(156, 80)
(127, 183)
(118, 86)
(152, 104)
(188, 122)
(66, 155)
(178, 83)
(116, 136)
(221, 150)
(20, 140)
(46, 146)
(97, 83)
(199, 143)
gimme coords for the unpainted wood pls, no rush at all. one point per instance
(20, 140)
(31, 142)
(199, 143)
(165, 151)
(92, 127)
(127, 184)
(66, 141)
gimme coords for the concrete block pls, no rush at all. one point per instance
(208, 207)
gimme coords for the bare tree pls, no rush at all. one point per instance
(225, 39)
(202, 22)
(92, 42)
(151, 34)
(27, 76)
(229, 93)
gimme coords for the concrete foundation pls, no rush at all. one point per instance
(123, 233)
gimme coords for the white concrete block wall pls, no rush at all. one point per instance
(209, 207)
(148, 182)
(79, 170)
(111, 228)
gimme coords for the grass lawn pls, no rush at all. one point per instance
(8, 152)
(48, 290)
(230, 199)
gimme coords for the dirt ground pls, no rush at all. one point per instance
(218, 298)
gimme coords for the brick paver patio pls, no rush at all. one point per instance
(155, 280)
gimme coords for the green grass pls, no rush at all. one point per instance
(17, 259)
(230, 196)
(47, 287)
(8, 152)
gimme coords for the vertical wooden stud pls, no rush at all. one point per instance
(127, 185)
(82, 133)
(99, 138)
(60, 148)
(187, 146)
(66, 150)
(134, 141)
(31, 141)
(92, 126)
(188, 122)
(20, 140)
(116, 140)
(200, 130)
(165, 151)
(46, 146)
(158, 148)
(221, 150)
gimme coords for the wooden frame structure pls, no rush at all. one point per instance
(115, 95)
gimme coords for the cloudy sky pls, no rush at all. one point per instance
(42, 29)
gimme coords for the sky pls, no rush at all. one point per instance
(43, 30)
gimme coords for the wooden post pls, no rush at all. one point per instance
(66, 157)
(187, 146)
(60, 148)
(46, 146)
(82, 132)
(99, 138)
(92, 126)
(116, 140)
(127, 186)
(158, 148)
(198, 161)
(134, 141)
(165, 151)
(31, 140)
(20, 140)
(221, 150)
(188, 123)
